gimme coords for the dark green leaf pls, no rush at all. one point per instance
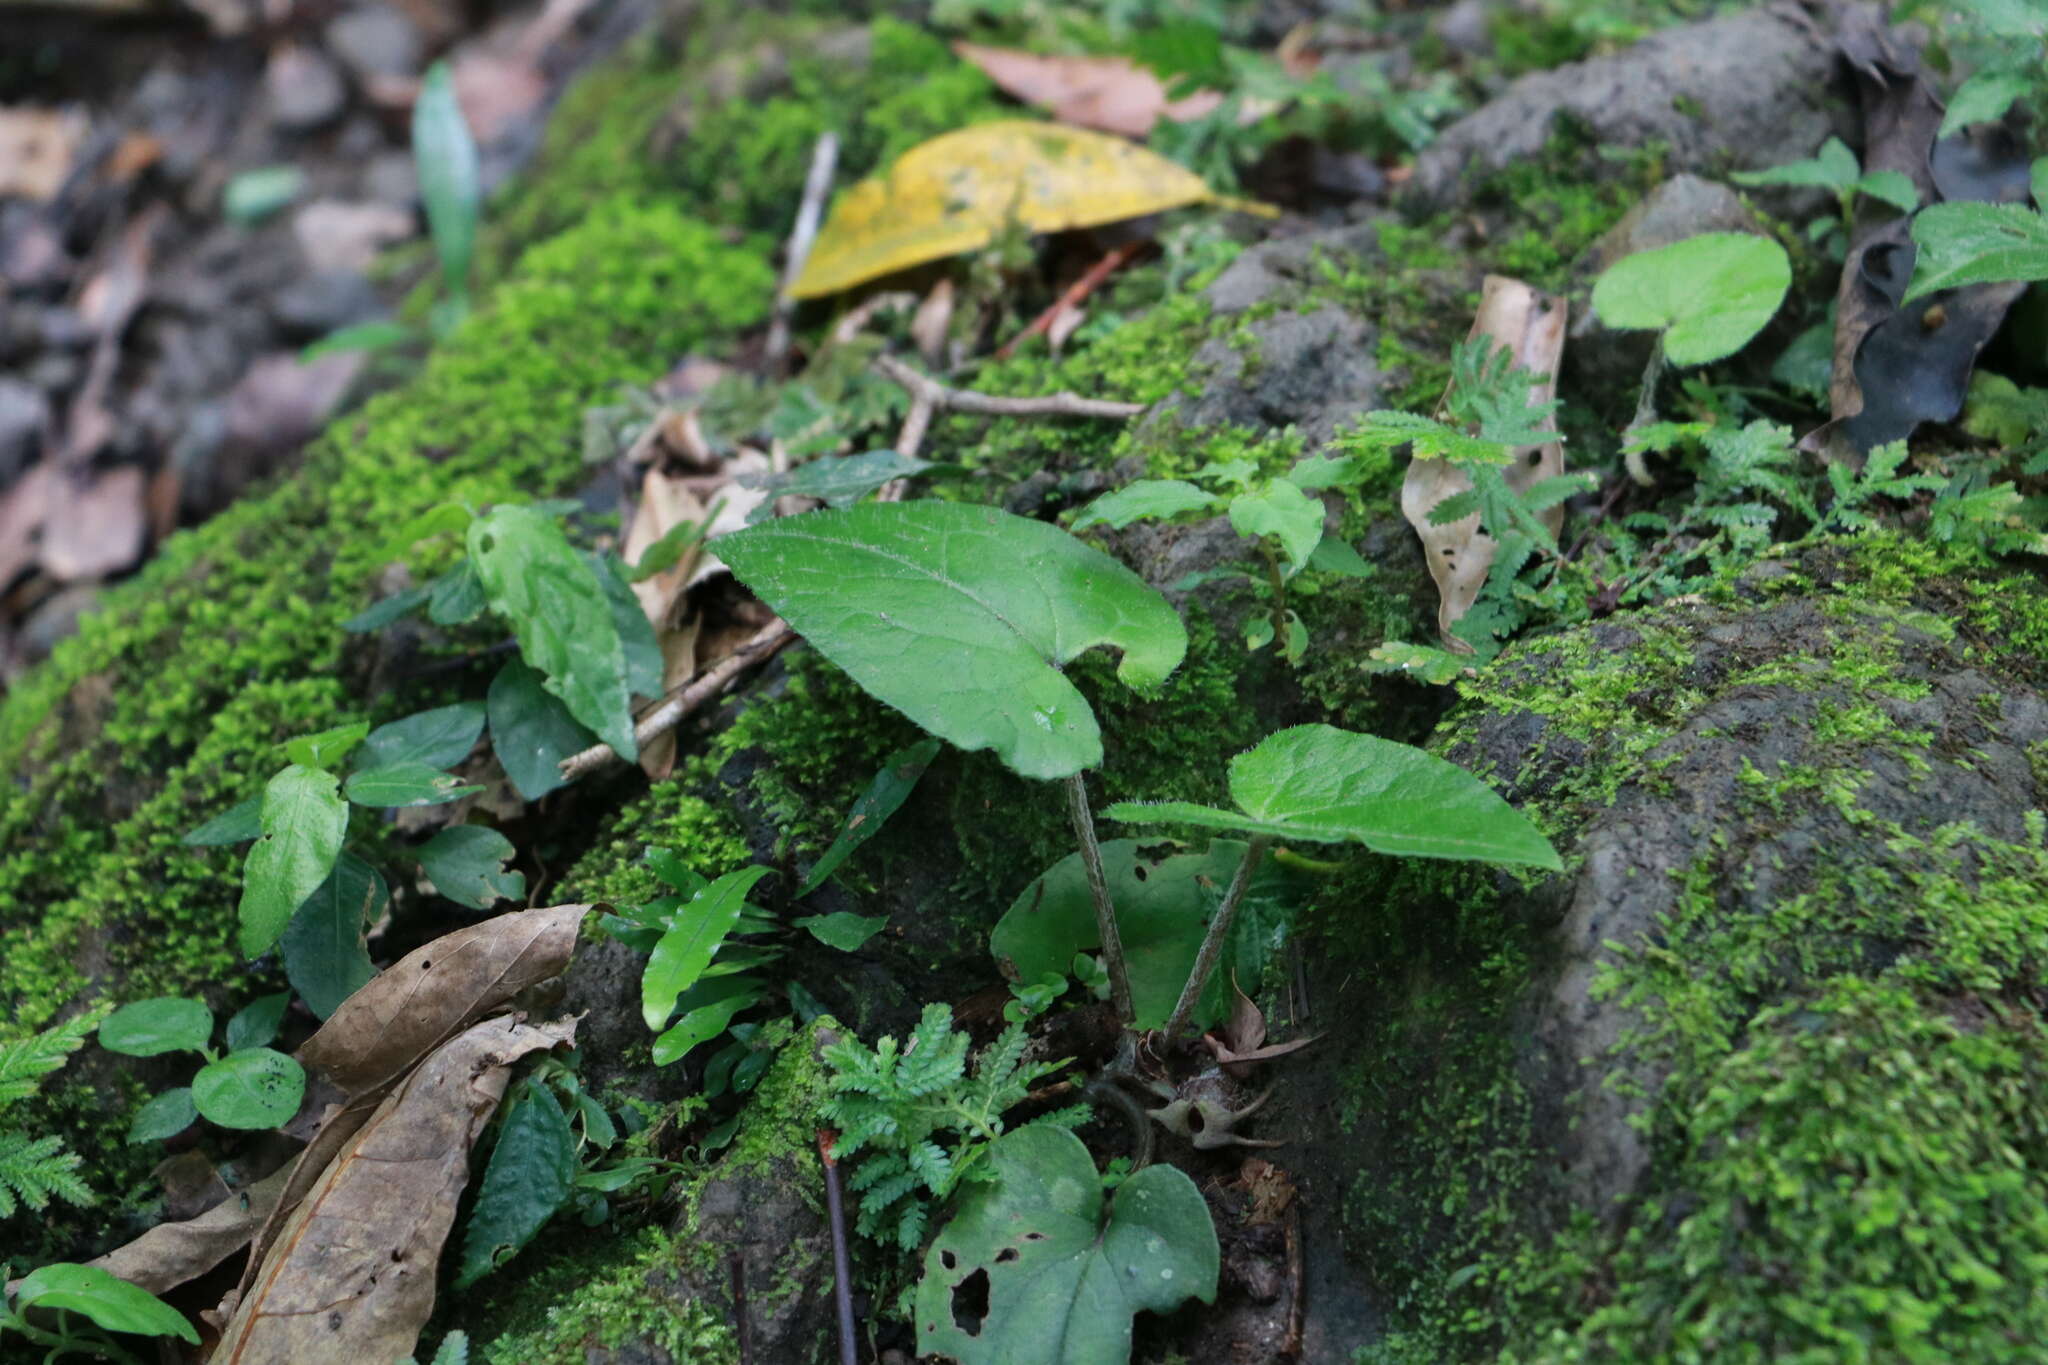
(324, 954)
(304, 822)
(532, 731)
(559, 609)
(467, 865)
(440, 738)
(166, 1116)
(256, 1088)
(405, 783)
(113, 1303)
(636, 632)
(457, 596)
(889, 790)
(1319, 784)
(839, 481)
(381, 614)
(723, 998)
(256, 1024)
(693, 935)
(959, 616)
(149, 1028)
(450, 183)
(842, 929)
(1063, 1282)
(678, 874)
(237, 824)
(531, 1173)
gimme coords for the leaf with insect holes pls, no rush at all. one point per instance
(960, 617)
(561, 612)
(304, 822)
(1708, 294)
(871, 810)
(92, 1293)
(1063, 1280)
(1319, 784)
(254, 1088)
(466, 863)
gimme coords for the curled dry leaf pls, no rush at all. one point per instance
(1243, 1037)
(169, 1254)
(1112, 94)
(351, 1276)
(1531, 325)
(382, 1031)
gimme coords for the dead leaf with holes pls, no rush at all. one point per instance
(956, 192)
(1530, 324)
(351, 1275)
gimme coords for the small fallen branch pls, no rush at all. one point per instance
(1080, 289)
(824, 159)
(760, 646)
(928, 398)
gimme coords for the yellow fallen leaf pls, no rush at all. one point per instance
(957, 191)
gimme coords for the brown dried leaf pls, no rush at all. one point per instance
(1531, 325)
(23, 508)
(169, 1254)
(37, 147)
(352, 1275)
(1113, 94)
(95, 525)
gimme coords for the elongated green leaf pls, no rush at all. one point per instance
(408, 782)
(440, 738)
(1965, 244)
(237, 824)
(150, 1028)
(327, 748)
(381, 614)
(450, 182)
(467, 865)
(113, 1303)
(1985, 97)
(1282, 511)
(1063, 1282)
(530, 1176)
(532, 731)
(871, 810)
(166, 1116)
(1834, 167)
(304, 822)
(1891, 187)
(1164, 893)
(723, 998)
(1319, 784)
(256, 1023)
(693, 935)
(958, 616)
(254, 1088)
(559, 609)
(1708, 294)
(367, 337)
(325, 957)
(843, 929)
(839, 481)
(1156, 498)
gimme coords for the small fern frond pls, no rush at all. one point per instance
(35, 1170)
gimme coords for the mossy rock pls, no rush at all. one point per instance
(1754, 1077)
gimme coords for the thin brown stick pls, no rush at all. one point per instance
(1080, 289)
(700, 689)
(824, 158)
(1297, 1299)
(842, 1261)
(1219, 930)
(1105, 909)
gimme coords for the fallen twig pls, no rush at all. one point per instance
(1297, 1299)
(1090, 281)
(824, 158)
(700, 689)
(842, 1270)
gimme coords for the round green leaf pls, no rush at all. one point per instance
(959, 617)
(113, 1303)
(168, 1115)
(257, 1088)
(1063, 1281)
(148, 1028)
(1708, 294)
(1319, 784)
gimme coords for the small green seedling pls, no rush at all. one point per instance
(1835, 169)
(1319, 784)
(108, 1302)
(445, 152)
(246, 1084)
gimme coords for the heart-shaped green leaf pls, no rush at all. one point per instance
(256, 1088)
(1319, 784)
(959, 617)
(304, 822)
(1708, 294)
(1063, 1282)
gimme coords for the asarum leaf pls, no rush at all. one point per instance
(959, 617)
(304, 821)
(1319, 784)
(559, 608)
(254, 1088)
(112, 1303)
(1708, 294)
(1063, 1281)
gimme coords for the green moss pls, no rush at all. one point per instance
(593, 1292)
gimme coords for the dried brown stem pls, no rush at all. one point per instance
(824, 158)
(700, 689)
(1105, 909)
(1219, 931)
(1080, 289)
